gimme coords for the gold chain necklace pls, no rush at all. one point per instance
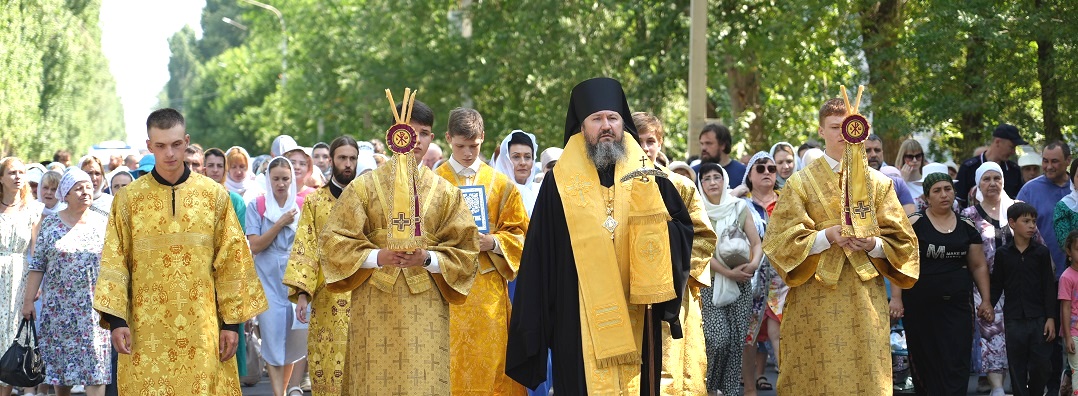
(610, 224)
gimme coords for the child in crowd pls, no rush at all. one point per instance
(1024, 271)
(1068, 294)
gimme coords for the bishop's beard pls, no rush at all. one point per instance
(605, 154)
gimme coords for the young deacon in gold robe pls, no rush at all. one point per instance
(177, 277)
(327, 334)
(835, 325)
(605, 260)
(399, 333)
(478, 328)
(684, 360)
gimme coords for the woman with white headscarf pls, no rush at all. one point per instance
(989, 215)
(271, 228)
(725, 327)
(769, 292)
(517, 160)
(239, 177)
(68, 250)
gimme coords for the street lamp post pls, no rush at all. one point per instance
(284, 37)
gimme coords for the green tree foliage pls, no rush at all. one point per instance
(950, 68)
(56, 89)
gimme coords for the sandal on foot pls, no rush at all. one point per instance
(762, 384)
(295, 389)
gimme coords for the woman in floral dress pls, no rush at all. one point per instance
(75, 349)
(989, 216)
(19, 216)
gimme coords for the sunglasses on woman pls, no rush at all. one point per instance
(911, 157)
(760, 168)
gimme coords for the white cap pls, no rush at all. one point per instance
(1029, 158)
(929, 169)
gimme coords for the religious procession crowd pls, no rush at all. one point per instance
(378, 266)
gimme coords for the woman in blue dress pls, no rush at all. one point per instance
(271, 228)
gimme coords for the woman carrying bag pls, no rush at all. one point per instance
(726, 325)
(76, 350)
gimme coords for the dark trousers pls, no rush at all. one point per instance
(1028, 355)
(110, 389)
(1056, 374)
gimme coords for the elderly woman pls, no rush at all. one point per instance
(46, 192)
(271, 228)
(19, 218)
(725, 327)
(92, 166)
(937, 310)
(518, 163)
(770, 292)
(75, 349)
(784, 156)
(989, 215)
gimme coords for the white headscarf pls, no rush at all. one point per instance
(71, 177)
(810, 155)
(529, 190)
(1005, 200)
(275, 211)
(724, 212)
(245, 186)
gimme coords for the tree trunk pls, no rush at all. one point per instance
(1046, 75)
(881, 21)
(744, 87)
(971, 120)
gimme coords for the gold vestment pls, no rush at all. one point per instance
(479, 327)
(835, 328)
(176, 266)
(685, 359)
(399, 331)
(327, 334)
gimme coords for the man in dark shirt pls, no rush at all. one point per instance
(1004, 139)
(1023, 270)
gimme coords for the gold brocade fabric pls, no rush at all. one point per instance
(611, 319)
(479, 327)
(685, 360)
(835, 341)
(810, 206)
(835, 326)
(176, 266)
(327, 335)
(399, 337)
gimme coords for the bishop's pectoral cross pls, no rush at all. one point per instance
(644, 165)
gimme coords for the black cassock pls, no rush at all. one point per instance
(546, 309)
